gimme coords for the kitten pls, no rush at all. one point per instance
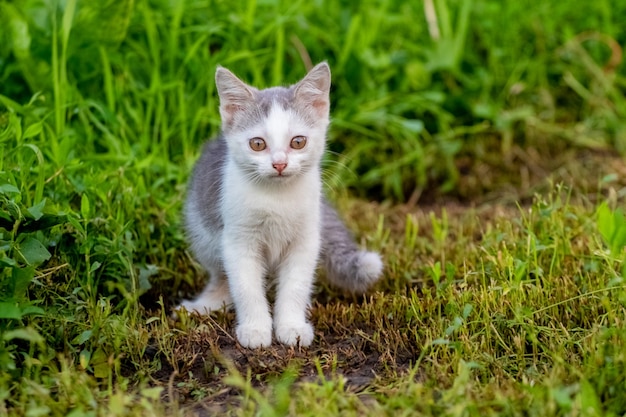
(255, 207)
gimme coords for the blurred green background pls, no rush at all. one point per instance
(416, 85)
(104, 106)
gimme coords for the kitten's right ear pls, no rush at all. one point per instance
(234, 94)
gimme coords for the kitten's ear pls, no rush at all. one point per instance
(234, 94)
(314, 89)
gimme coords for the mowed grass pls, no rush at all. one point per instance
(475, 144)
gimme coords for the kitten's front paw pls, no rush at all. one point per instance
(254, 336)
(295, 333)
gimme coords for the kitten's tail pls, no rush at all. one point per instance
(346, 266)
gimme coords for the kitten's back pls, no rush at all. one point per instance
(205, 187)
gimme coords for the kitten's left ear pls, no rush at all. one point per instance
(314, 89)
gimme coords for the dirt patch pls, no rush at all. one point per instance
(196, 372)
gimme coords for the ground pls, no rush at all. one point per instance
(368, 352)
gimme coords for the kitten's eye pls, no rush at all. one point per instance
(257, 144)
(298, 142)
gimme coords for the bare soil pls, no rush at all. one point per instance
(346, 348)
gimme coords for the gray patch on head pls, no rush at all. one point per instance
(279, 95)
(258, 109)
(264, 100)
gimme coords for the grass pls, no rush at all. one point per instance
(477, 145)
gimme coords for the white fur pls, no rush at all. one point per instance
(272, 225)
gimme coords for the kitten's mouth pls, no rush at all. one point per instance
(281, 175)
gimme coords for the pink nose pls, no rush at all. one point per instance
(279, 167)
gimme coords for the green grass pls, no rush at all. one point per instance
(489, 140)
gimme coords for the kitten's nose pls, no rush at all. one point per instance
(280, 167)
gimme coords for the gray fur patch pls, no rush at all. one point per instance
(205, 187)
(255, 112)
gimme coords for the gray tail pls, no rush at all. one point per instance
(347, 267)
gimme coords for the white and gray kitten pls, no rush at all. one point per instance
(255, 208)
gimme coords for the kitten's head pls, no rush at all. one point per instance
(278, 133)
